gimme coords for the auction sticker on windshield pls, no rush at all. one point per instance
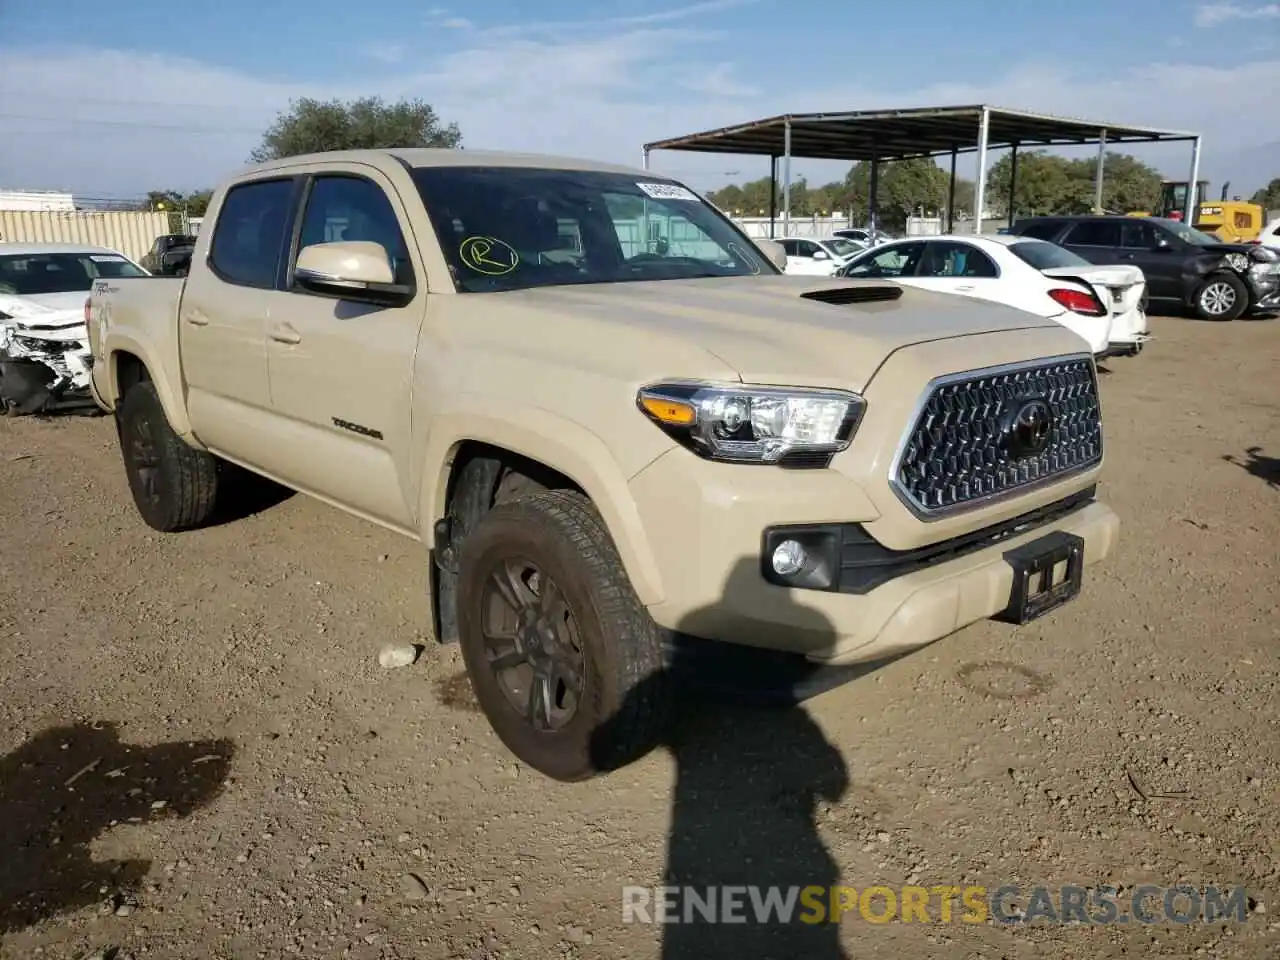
(668, 191)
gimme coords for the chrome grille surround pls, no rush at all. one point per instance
(954, 455)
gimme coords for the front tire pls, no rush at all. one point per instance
(174, 485)
(1222, 296)
(566, 663)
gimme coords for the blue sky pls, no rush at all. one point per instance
(161, 94)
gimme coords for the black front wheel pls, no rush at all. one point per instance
(565, 661)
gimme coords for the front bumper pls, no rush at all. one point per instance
(1264, 288)
(708, 533)
(1269, 301)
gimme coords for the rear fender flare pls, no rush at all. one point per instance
(175, 408)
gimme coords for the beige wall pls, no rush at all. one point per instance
(130, 232)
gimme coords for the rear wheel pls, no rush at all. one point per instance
(1222, 296)
(565, 661)
(174, 485)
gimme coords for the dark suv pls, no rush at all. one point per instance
(1219, 281)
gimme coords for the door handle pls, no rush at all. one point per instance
(284, 333)
(195, 318)
(965, 288)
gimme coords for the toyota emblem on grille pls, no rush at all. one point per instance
(1026, 432)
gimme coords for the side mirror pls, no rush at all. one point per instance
(352, 270)
(820, 255)
(774, 252)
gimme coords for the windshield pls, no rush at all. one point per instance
(31, 274)
(511, 228)
(1190, 234)
(1045, 256)
(842, 247)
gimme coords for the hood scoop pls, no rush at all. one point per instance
(862, 293)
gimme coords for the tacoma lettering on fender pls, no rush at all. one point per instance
(612, 422)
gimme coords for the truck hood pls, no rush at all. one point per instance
(771, 329)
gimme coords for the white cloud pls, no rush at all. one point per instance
(456, 23)
(1213, 14)
(599, 90)
(384, 52)
(560, 28)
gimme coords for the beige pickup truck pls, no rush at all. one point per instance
(611, 421)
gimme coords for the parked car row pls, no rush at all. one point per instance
(1094, 274)
(1184, 267)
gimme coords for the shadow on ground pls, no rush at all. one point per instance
(752, 781)
(63, 788)
(241, 494)
(1265, 468)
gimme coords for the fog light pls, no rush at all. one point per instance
(789, 558)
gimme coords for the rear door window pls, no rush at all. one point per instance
(249, 237)
(1094, 233)
(1041, 230)
(948, 259)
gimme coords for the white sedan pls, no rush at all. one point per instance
(44, 350)
(1106, 305)
(819, 256)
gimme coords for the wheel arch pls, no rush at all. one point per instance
(539, 444)
(131, 361)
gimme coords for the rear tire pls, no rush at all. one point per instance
(174, 485)
(1222, 296)
(572, 681)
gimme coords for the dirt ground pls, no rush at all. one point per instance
(201, 757)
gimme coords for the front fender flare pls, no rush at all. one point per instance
(564, 446)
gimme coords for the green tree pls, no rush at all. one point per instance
(1045, 185)
(904, 187)
(1049, 184)
(179, 205)
(1269, 196)
(314, 126)
(1128, 184)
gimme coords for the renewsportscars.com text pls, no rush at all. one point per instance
(1147, 903)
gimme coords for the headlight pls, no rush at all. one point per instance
(736, 423)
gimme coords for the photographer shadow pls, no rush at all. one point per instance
(753, 774)
(67, 786)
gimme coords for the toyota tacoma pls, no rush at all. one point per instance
(611, 421)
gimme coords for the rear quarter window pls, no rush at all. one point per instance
(1045, 256)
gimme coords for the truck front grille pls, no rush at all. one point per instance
(987, 434)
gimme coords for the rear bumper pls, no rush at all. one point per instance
(1125, 348)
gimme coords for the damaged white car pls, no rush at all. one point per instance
(44, 349)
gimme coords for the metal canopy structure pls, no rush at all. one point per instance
(879, 135)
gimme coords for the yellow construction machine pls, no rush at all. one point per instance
(1233, 221)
